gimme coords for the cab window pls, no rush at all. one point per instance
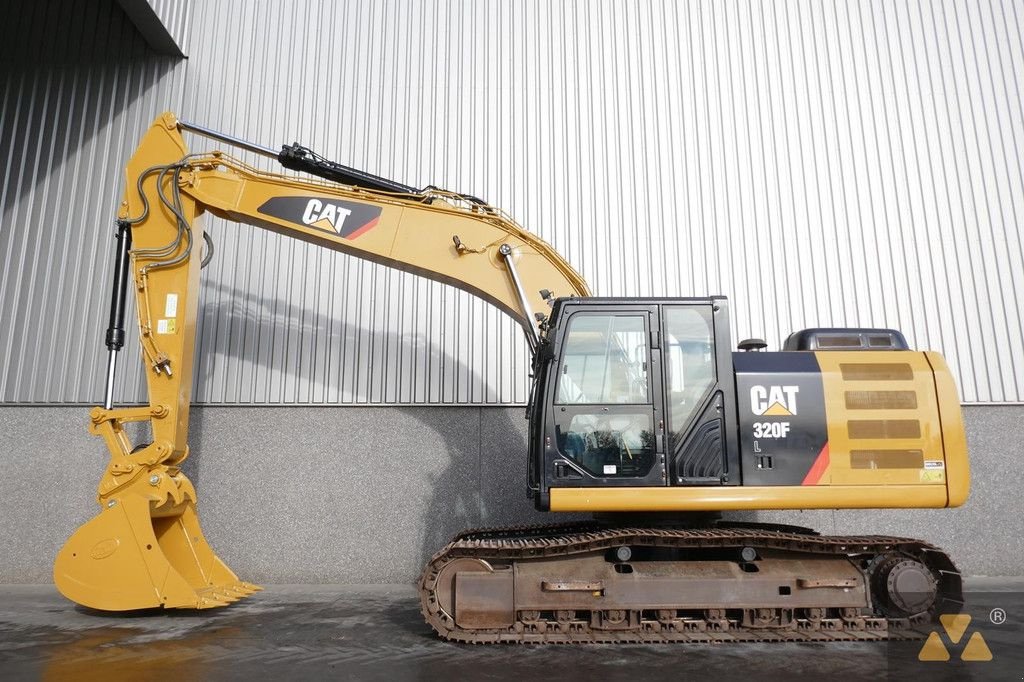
(604, 361)
(610, 445)
(689, 344)
(605, 422)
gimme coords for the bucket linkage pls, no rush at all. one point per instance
(145, 549)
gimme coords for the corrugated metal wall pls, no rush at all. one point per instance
(820, 163)
(174, 14)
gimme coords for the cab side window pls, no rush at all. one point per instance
(689, 344)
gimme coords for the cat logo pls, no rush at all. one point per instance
(773, 401)
(955, 625)
(325, 215)
(336, 217)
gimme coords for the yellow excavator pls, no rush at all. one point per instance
(639, 413)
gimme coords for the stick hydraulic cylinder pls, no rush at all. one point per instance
(115, 330)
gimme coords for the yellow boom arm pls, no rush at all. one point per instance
(145, 548)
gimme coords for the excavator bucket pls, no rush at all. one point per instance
(144, 551)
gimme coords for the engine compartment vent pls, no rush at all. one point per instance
(842, 338)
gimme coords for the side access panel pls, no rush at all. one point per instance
(846, 419)
(782, 419)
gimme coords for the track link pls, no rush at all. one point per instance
(508, 545)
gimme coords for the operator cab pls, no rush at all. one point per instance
(633, 393)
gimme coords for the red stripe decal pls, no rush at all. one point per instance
(365, 228)
(818, 468)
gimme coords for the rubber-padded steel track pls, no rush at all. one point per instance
(507, 545)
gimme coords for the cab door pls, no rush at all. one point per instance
(699, 404)
(606, 414)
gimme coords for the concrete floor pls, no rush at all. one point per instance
(314, 632)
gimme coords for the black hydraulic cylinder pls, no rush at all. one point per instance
(299, 158)
(118, 294)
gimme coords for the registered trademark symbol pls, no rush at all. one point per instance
(997, 616)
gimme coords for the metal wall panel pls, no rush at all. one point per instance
(163, 23)
(174, 14)
(834, 163)
(78, 83)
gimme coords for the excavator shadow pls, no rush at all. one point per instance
(466, 468)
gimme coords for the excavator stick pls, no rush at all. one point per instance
(146, 549)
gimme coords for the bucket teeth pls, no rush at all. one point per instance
(240, 590)
(210, 603)
(212, 598)
(222, 595)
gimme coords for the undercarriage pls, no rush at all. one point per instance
(717, 582)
